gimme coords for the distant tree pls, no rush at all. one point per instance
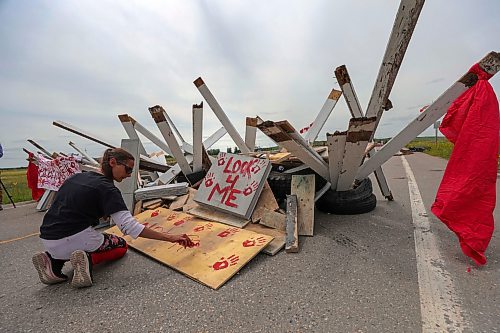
(228, 150)
(236, 150)
(213, 152)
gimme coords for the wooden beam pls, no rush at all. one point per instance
(490, 64)
(197, 137)
(219, 113)
(351, 98)
(303, 186)
(292, 236)
(84, 154)
(359, 133)
(322, 117)
(251, 132)
(159, 116)
(296, 147)
(336, 149)
(43, 150)
(82, 133)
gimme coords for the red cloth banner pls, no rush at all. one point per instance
(32, 178)
(467, 194)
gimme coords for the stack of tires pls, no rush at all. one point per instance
(355, 201)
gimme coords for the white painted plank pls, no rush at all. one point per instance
(322, 117)
(217, 109)
(251, 132)
(197, 137)
(490, 63)
(336, 149)
(359, 133)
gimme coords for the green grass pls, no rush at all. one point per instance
(16, 183)
(442, 149)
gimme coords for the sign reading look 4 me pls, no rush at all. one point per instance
(233, 184)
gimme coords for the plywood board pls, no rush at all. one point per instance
(222, 250)
(304, 188)
(274, 220)
(266, 201)
(190, 200)
(233, 184)
(277, 243)
(213, 215)
(179, 202)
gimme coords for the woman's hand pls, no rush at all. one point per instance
(182, 240)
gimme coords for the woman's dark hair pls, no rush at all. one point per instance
(121, 155)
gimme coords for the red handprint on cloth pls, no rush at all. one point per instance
(228, 232)
(224, 263)
(209, 179)
(258, 165)
(250, 188)
(221, 159)
(259, 241)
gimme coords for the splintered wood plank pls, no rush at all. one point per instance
(179, 202)
(222, 250)
(214, 215)
(273, 220)
(303, 187)
(190, 201)
(276, 244)
(266, 201)
(292, 236)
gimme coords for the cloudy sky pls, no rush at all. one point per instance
(85, 62)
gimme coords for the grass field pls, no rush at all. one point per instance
(16, 183)
(442, 149)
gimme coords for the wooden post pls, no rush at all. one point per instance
(296, 147)
(158, 114)
(217, 109)
(359, 133)
(128, 186)
(336, 149)
(251, 133)
(303, 186)
(351, 98)
(197, 137)
(322, 117)
(292, 236)
(490, 64)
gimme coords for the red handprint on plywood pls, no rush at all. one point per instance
(250, 188)
(228, 232)
(209, 179)
(221, 159)
(259, 241)
(258, 165)
(225, 263)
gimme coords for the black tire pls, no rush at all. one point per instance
(352, 207)
(281, 183)
(362, 191)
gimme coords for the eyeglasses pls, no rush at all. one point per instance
(128, 169)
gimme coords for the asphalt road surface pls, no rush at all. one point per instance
(362, 273)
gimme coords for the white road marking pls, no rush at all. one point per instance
(439, 303)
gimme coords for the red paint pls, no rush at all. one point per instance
(227, 232)
(225, 263)
(209, 179)
(155, 213)
(178, 223)
(254, 242)
(468, 269)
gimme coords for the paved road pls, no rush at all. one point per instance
(357, 274)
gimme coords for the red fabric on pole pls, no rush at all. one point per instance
(467, 194)
(32, 178)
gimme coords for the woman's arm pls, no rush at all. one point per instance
(129, 226)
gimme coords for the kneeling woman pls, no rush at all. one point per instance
(67, 232)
